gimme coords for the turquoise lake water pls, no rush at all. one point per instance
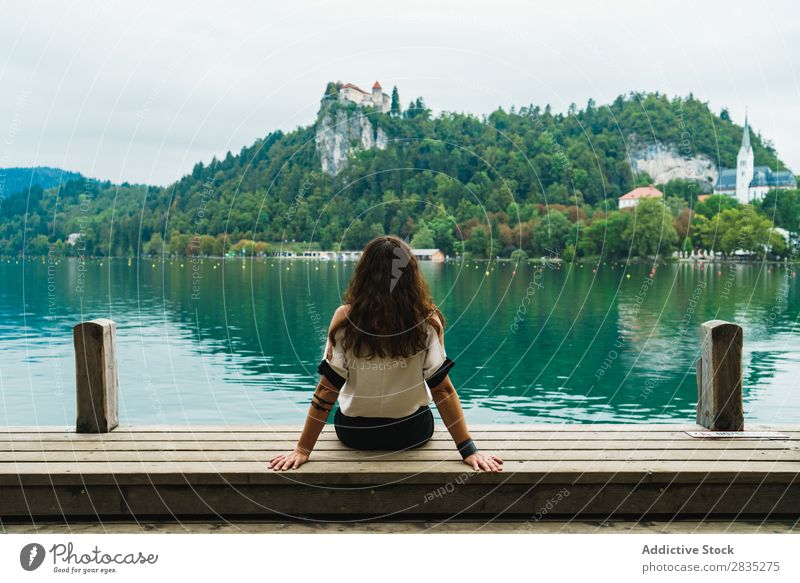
(239, 341)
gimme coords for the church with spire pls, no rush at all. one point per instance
(748, 182)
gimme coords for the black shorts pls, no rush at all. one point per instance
(385, 433)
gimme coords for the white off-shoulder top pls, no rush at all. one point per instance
(385, 387)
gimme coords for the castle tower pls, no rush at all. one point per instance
(377, 95)
(744, 166)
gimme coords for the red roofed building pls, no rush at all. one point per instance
(631, 199)
(377, 98)
(351, 87)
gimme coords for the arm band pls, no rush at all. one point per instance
(467, 448)
(333, 377)
(436, 378)
(321, 400)
(320, 407)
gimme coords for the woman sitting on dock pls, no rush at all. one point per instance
(384, 360)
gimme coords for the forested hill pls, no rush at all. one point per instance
(15, 180)
(446, 174)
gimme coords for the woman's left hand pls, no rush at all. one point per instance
(482, 461)
(290, 461)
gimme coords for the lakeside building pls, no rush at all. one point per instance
(433, 255)
(632, 198)
(323, 255)
(748, 182)
(319, 255)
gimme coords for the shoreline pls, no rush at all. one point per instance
(592, 260)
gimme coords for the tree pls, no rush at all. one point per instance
(155, 246)
(210, 246)
(331, 90)
(783, 208)
(375, 230)
(606, 236)
(38, 247)
(178, 243)
(417, 109)
(360, 233)
(423, 238)
(243, 247)
(715, 204)
(650, 231)
(479, 243)
(682, 224)
(742, 229)
(675, 205)
(396, 109)
(551, 233)
(518, 256)
(688, 190)
(443, 239)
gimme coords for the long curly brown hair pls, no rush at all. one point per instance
(389, 303)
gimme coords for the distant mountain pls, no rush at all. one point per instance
(16, 180)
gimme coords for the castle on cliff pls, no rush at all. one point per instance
(748, 182)
(353, 93)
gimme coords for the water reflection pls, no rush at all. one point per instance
(233, 342)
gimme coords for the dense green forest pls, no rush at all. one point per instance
(526, 180)
(17, 180)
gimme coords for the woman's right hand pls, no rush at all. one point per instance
(292, 460)
(482, 461)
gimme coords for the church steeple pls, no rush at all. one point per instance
(745, 136)
(744, 166)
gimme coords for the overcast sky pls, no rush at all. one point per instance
(140, 91)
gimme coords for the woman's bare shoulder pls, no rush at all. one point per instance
(340, 315)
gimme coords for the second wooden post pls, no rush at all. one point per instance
(719, 377)
(96, 376)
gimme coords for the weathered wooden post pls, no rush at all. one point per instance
(719, 377)
(96, 376)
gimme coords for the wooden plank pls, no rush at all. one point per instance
(503, 427)
(439, 445)
(611, 499)
(417, 525)
(333, 472)
(486, 500)
(8, 460)
(296, 429)
(719, 399)
(96, 376)
(330, 435)
(473, 499)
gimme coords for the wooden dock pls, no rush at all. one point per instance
(551, 472)
(99, 470)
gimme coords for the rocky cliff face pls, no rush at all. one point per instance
(663, 163)
(341, 132)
